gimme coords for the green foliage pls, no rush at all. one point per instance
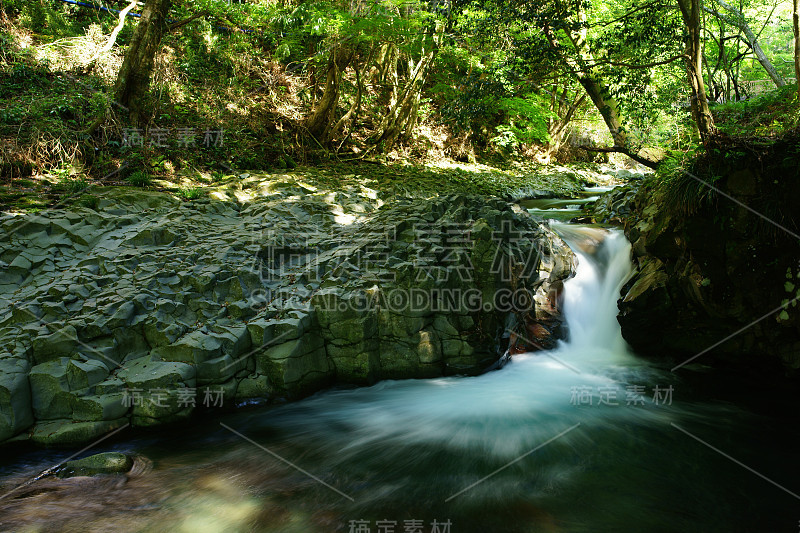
(288, 162)
(192, 193)
(497, 77)
(75, 185)
(684, 190)
(46, 18)
(488, 99)
(88, 200)
(527, 119)
(13, 115)
(773, 113)
(140, 178)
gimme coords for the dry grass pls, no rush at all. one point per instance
(78, 53)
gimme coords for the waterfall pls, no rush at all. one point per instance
(590, 298)
(505, 411)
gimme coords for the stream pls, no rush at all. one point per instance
(584, 438)
(562, 209)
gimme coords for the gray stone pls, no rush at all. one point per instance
(16, 413)
(254, 387)
(85, 374)
(145, 373)
(50, 392)
(100, 407)
(159, 405)
(60, 343)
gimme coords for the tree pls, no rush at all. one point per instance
(321, 119)
(133, 79)
(690, 11)
(560, 29)
(401, 116)
(736, 18)
(796, 26)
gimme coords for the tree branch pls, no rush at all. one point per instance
(196, 16)
(626, 15)
(650, 163)
(644, 65)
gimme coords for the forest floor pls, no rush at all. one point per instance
(201, 141)
(63, 188)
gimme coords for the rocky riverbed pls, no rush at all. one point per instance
(146, 308)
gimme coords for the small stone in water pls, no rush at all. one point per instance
(101, 463)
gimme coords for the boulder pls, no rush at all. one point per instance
(101, 463)
(708, 269)
(50, 392)
(16, 412)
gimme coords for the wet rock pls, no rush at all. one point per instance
(615, 206)
(16, 411)
(60, 343)
(297, 367)
(704, 275)
(100, 407)
(71, 433)
(146, 373)
(51, 397)
(101, 463)
(82, 374)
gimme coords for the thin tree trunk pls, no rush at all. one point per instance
(598, 92)
(133, 79)
(403, 106)
(796, 25)
(557, 129)
(737, 19)
(354, 107)
(396, 119)
(690, 11)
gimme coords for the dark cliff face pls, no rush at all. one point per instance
(718, 269)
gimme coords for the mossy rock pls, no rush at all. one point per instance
(101, 463)
(71, 433)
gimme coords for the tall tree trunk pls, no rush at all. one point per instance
(796, 24)
(737, 19)
(133, 79)
(400, 108)
(564, 106)
(690, 11)
(352, 113)
(320, 120)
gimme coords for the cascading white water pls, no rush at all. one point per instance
(505, 411)
(590, 298)
(506, 451)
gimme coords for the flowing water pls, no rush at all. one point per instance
(584, 438)
(562, 209)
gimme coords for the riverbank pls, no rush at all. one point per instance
(73, 187)
(512, 450)
(266, 287)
